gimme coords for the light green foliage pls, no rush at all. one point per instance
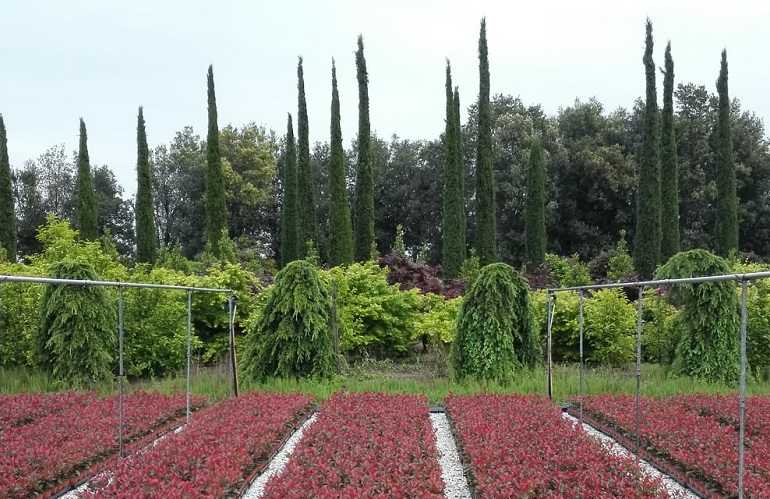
(568, 271)
(496, 332)
(660, 335)
(77, 340)
(620, 264)
(609, 327)
(565, 332)
(438, 318)
(470, 268)
(292, 336)
(758, 324)
(376, 319)
(20, 315)
(709, 321)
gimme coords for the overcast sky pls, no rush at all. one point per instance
(101, 59)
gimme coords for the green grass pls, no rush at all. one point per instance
(414, 377)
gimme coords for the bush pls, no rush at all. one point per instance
(436, 322)
(660, 335)
(565, 326)
(292, 335)
(569, 271)
(20, 316)
(609, 325)
(758, 323)
(495, 331)
(77, 341)
(709, 320)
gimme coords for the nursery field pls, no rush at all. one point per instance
(374, 444)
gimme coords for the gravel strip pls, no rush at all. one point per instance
(278, 463)
(673, 487)
(451, 468)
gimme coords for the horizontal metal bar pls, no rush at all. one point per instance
(668, 282)
(77, 282)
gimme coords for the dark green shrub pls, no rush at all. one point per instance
(709, 321)
(292, 335)
(496, 331)
(77, 341)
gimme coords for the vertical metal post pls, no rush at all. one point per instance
(189, 353)
(120, 371)
(742, 410)
(1, 339)
(335, 328)
(638, 367)
(549, 377)
(580, 301)
(233, 384)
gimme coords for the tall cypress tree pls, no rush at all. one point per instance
(7, 214)
(726, 229)
(146, 240)
(453, 231)
(486, 218)
(461, 159)
(289, 249)
(363, 215)
(534, 215)
(647, 237)
(216, 202)
(669, 176)
(306, 228)
(340, 230)
(87, 222)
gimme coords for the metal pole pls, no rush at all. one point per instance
(335, 328)
(1, 340)
(580, 301)
(120, 371)
(233, 386)
(742, 410)
(189, 354)
(638, 367)
(548, 315)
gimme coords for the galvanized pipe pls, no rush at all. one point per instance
(638, 367)
(80, 282)
(548, 322)
(120, 371)
(752, 276)
(580, 301)
(189, 353)
(742, 408)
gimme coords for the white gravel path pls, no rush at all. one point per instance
(672, 486)
(451, 468)
(278, 463)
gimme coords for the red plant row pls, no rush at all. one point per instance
(53, 450)
(364, 445)
(692, 438)
(725, 409)
(21, 409)
(521, 446)
(214, 455)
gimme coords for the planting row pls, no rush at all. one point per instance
(17, 410)
(364, 445)
(521, 446)
(694, 437)
(53, 450)
(215, 455)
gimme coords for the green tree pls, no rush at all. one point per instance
(534, 217)
(146, 239)
(76, 341)
(306, 222)
(726, 226)
(292, 335)
(486, 217)
(709, 320)
(363, 213)
(7, 213)
(216, 199)
(647, 237)
(453, 231)
(496, 331)
(289, 232)
(669, 172)
(340, 229)
(87, 222)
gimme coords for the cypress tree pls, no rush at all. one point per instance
(453, 232)
(647, 238)
(216, 203)
(669, 176)
(534, 215)
(340, 230)
(8, 229)
(306, 225)
(461, 159)
(289, 249)
(363, 215)
(726, 229)
(146, 242)
(486, 218)
(86, 213)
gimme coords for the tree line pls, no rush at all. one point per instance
(511, 183)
